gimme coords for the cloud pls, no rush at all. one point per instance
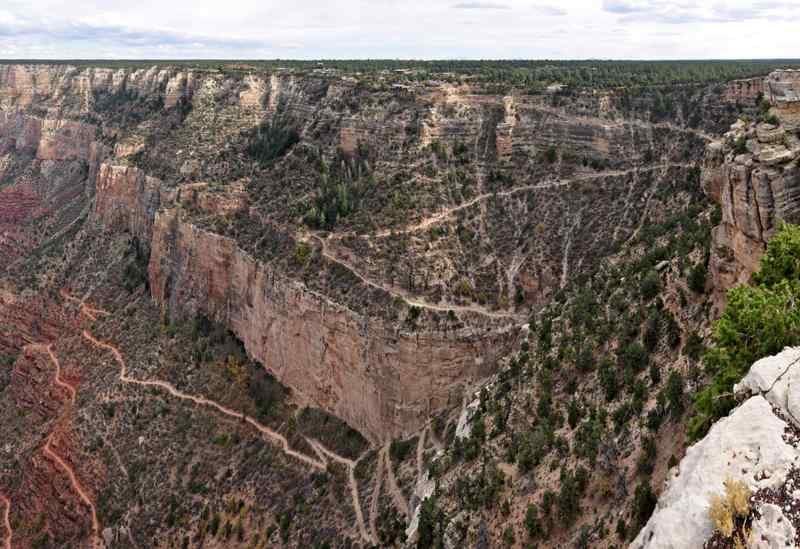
(264, 29)
(551, 11)
(678, 12)
(481, 6)
(626, 6)
(79, 32)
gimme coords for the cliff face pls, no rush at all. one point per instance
(382, 381)
(377, 247)
(753, 174)
(744, 90)
(429, 278)
(127, 200)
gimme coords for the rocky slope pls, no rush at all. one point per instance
(174, 238)
(758, 445)
(753, 174)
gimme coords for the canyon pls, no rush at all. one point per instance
(257, 288)
(753, 174)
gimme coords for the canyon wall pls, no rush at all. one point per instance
(743, 90)
(166, 155)
(753, 174)
(381, 381)
(127, 200)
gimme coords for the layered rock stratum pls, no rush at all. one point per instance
(225, 293)
(753, 174)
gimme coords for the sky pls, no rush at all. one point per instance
(399, 29)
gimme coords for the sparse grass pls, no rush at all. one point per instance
(728, 511)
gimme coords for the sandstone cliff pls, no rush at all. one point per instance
(377, 247)
(753, 174)
(383, 381)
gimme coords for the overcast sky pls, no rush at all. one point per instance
(303, 29)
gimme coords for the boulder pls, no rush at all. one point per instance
(767, 133)
(748, 445)
(772, 530)
(774, 377)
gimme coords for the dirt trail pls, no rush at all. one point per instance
(406, 296)
(322, 452)
(49, 452)
(76, 485)
(276, 437)
(318, 448)
(448, 212)
(7, 521)
(376, 496)
(399, 499)
(351, 468)
(90, 312)
(54, 359)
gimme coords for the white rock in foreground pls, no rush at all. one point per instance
(775, 377)
(772, 530)
(747, 445)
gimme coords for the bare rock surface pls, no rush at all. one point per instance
(750, 445)
(753, 174)
(777, 378)
(772, 530)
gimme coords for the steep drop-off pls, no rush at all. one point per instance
(172, 237)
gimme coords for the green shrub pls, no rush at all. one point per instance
(532, 523)
(399, 450)
(644, 502)
(431, 524)
(674, 393)
(608, 379)
(651, 285)
(551, 155)
(697, 278)
(302, 252)
(740, 145)
(271, 140)
(694, 346)
(632, 356)
(782, 260)
(758, 321)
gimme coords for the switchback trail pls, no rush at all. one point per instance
(202, 401)
(406, 296)
(351, 477)
(90, 312)
(448, 212)
(397, 494)
(7, 521)
(50, 453)
(279, 439)
(54, 359)
(48, 450)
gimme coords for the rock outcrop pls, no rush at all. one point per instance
(783, 91)
(127, 200)
(742, 90)
(754, 444)
(753, 174)
(382, 382)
